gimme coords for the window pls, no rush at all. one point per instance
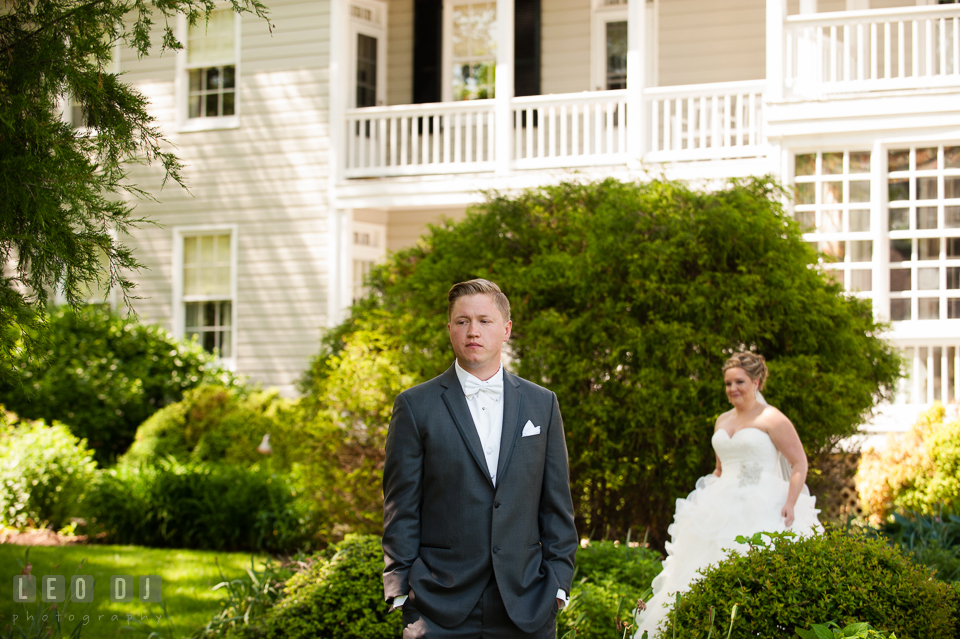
(210, 71)
(206, 289)
(609, 44)
(931, 375)
(369, 247)
(471, 49)
(833, 207)
(366, 42)
(923, 190)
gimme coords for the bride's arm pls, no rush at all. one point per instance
(719, 469)
(785, 438)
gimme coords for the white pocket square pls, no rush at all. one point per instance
(529, 429)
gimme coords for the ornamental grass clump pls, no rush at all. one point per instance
(794, 583)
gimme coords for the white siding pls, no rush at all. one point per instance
(565, 46)
(404, 228)
(268, 177)
(400, 52)
(708, 41)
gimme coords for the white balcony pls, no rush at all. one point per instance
(816, 63)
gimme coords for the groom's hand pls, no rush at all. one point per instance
(560, 604)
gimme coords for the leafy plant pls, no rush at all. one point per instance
(103, 375)
(247, 599)
(204, 506)
(337, 598)
(796, 582)
(932, 540)
(627, 298)
(831, 630)
(45, 473)
(214, 423)
(918, 470)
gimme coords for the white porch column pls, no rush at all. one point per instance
(638, 142)
(337, 250)
(504, 87)
(776, 13)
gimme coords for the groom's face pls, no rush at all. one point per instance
(477, 332)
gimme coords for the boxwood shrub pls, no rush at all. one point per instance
(797, 582)
(337, 598)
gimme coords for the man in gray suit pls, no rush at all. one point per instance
(479, 539)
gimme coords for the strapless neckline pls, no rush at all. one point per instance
(729, 436)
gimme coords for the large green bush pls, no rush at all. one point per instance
(45, 473)
(104, 374)
(337, 598)
(796, 583)
(203, 506)
(626, 300)
(217, 423)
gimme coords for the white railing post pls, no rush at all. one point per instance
(637, 127)
(776, 13)
(504, 87)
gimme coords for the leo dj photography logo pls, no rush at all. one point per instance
(53, 589)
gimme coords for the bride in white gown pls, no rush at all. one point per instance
(758, 486)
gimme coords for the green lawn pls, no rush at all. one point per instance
(188, 576)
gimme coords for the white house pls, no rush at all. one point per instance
(314, 151)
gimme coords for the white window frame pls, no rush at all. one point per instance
(374, 27)
(373, 252)
(66, 102)
(600, 15)
(179, 314)
(446, 80)
(182, 83)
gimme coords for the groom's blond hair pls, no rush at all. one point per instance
(478, 287)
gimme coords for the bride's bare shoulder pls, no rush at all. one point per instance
(771, 417)
(724, 417)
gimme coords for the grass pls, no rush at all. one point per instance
(188, 576)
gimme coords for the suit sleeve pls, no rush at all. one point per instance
(402, 486)
(558, 534)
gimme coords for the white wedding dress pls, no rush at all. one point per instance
(747, 498)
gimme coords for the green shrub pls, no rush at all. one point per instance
(626, 299)
(831, 630)
(216, 423)
(610, 578)
(247, 600)
(44, 473)
(931, 540)
(345, 410)
(795, 583)
(338, 598)
(916, 471)
(103, 375)
(203, 506)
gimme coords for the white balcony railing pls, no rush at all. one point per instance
(419, 139)
(707, 121)
(879, 49)
(574, 129)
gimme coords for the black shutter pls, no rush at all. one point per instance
(526, 47)
(427, 50)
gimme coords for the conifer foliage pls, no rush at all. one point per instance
(626, 300)
(64, 192)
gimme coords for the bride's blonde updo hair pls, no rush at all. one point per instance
(753, 365)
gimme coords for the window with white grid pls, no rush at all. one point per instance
(923, 189)
(833, 206)
(211, 66)
(208, 290)
(369, 248)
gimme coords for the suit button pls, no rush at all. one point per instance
(496, 504)
(496, 549)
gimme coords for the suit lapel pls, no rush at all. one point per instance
(512, 405)
(457, 405)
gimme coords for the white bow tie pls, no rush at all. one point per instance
(472, 386)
